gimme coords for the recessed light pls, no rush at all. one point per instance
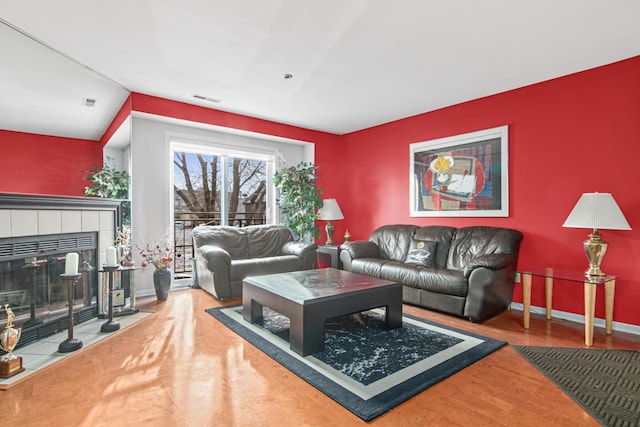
(288, 76)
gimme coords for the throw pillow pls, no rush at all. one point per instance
(422, 252)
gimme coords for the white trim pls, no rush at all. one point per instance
(217, 147)
(578, 318)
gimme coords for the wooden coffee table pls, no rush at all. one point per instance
(310, 297)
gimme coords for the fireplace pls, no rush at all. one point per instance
(36, 233)
(30, 282)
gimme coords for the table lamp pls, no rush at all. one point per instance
(330, 211)
(596, 211)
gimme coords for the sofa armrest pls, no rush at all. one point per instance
(490, 290)
(304, 250)
(361, 249)
(213, 271)
(357, 249)
(490, 261)
(299, 249)
(215, 255)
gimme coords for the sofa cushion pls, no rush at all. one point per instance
(232, 239)
(441, 234)
(368, 266)
(243, 268)
(471, 242)
(400, 272)
(440, 281)
(266, 241)
(421, 252)
(393, 240)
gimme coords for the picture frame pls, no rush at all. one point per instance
(464, 175)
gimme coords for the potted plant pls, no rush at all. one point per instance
(299, 199)
(160, 256)
(110, 183)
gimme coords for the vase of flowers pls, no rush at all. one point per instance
(160, 256)
(162, 283)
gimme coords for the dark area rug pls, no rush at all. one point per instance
(364, 367)
(606, 383)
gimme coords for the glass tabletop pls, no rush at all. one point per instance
(569, 275)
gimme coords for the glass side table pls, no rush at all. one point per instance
(590, 284)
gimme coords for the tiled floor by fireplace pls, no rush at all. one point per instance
(44, 353)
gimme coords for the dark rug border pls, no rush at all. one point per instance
(383, 402)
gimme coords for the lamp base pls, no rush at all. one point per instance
(329, 230)
(595, 248)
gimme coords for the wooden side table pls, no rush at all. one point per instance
(330, 254)
(590, 284)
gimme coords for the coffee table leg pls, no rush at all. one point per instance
(252, 310)
(306, 333)
(393, 315)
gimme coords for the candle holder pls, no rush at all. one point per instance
(71, 343)
(127, 274)
(33, 269)
(110, 325)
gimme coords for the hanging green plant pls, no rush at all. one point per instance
(110, 183)
(299, 199)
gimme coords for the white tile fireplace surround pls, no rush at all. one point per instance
(33, 215)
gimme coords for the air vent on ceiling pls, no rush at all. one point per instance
(206, 98)
(88, 102)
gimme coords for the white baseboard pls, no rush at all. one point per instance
(578, 318)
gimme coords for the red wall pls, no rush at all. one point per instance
(567, 136)
(38, 164)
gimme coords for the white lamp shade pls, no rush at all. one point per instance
(597, 211)
(330, 211)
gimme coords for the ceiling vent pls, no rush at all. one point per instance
(207, 99)
(88, 102)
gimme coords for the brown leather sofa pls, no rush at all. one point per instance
(226, 255)
(468, 272)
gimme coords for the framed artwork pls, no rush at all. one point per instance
(462, 175)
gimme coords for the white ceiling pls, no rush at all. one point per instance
(355, 63)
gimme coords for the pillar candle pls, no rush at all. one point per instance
(71, 264)
(111, 257)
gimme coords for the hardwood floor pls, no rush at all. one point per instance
(180, 367)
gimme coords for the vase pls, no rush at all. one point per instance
(162, 283)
